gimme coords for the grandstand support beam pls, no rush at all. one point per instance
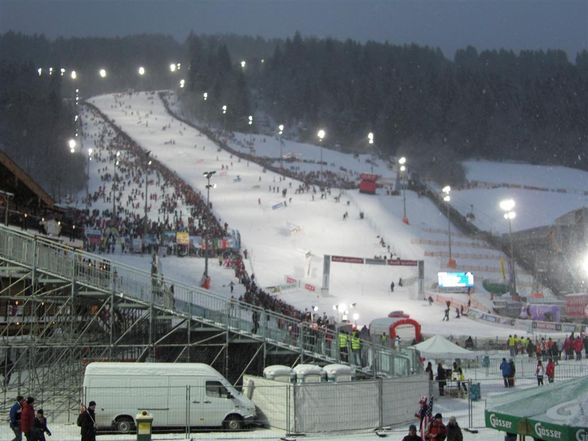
(251, 360)
(170, 332)
(264, 355)
(189, 331)
(301, 344)
(151, 312)
(72, 296)
(74, 309)
(221, 350)
(111, 323)
(227, 339)
(296, 361)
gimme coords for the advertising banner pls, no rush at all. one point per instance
(347, 259)
(375, 261)
(402, 262)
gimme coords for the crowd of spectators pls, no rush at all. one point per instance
(123, 168)
(129, 179)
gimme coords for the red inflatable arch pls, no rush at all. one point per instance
(407, 321)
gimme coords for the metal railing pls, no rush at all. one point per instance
(105, 278)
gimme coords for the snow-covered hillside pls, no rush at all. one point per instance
(288, 236)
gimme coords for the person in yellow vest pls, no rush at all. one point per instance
(356, 348)
(511, 345)
(343, 340)
(523, 344)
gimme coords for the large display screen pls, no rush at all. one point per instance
(455, 280)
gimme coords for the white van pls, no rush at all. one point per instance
(173, 393)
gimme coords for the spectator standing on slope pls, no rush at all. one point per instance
(550, 370)
(27, 418)
(15, 414)
(412, 434)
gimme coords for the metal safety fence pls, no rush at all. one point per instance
(106, 277)
(335, 406)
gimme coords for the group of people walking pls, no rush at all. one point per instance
(24, 420)
(433, 429)
(548, 370)
(545, 348)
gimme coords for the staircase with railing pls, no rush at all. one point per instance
(103, 278)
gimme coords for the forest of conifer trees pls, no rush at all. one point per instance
(528, 106)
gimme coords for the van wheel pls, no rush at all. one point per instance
(124, 425)
(233, 422)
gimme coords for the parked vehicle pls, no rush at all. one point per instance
(174, 393)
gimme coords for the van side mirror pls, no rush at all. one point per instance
(230, 396)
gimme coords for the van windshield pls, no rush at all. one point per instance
(216, 389)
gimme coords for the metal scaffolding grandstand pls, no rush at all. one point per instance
(61, 308)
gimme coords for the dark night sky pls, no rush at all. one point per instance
(448, 24)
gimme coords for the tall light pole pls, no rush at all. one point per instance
(507, 206)
(116, 156)
(147, 164)
(402, 169)
(371, 142)
(207, 175)
(321, 135)
(72, 145)
(446, 197)
(224, 113)
(280, 132)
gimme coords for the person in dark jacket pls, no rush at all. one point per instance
(15, 413)
(441, 377)
(513, 370)
(412, 434)
(87, 421)
(27, 418)
(40, 426)
(506, 371)
(429, 371)
(453, 430)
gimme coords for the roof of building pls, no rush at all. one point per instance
(23, 177)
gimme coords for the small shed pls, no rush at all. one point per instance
(278, 372)
(309, 373)
(368, 183)
(338, 373)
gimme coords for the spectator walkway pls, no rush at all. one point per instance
(103, 279)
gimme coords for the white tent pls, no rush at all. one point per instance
(441, 348)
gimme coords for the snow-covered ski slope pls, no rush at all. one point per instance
(291, 240)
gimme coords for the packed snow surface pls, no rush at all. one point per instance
(289, 236)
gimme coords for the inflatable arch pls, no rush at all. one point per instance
(407, 321)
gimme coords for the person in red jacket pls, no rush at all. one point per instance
(550, 370)
(27, 418)
(437, 430)
(578, 346)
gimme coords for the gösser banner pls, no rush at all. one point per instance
(550, 413)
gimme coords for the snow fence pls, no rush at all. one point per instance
(329, 407)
